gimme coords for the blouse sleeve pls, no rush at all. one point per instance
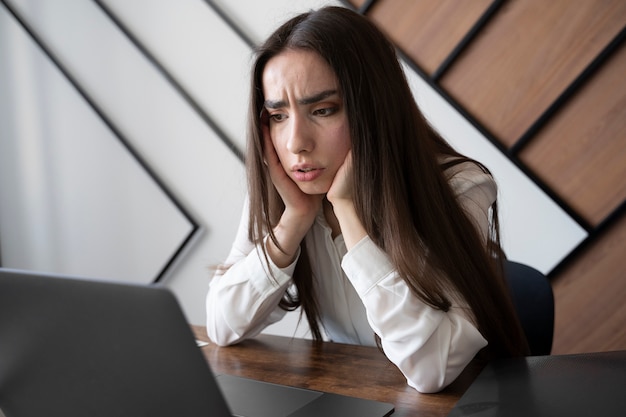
(244, 300)
(429, 346)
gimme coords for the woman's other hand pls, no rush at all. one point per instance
(340, 196)
(341, 188)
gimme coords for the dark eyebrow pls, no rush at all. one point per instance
(276, 104)
(317, 97)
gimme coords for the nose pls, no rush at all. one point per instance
(300, 135)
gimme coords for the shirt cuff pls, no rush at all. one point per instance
(272, 278)
(366, 265)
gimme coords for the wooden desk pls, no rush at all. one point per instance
(356, 371)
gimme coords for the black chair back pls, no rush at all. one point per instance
(534, 302)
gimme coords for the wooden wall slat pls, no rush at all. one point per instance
(590, 294)
(527, 56)
(581, 153)
(427, 30)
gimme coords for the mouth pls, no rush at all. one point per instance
(306, 173)
(304, 167)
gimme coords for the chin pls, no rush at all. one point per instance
(312, 189)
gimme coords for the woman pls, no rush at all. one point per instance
(360, 213)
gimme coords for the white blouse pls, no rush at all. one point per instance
(359, 294)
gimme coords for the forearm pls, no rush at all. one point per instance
(431, 347)
(244, 300)
(289, 234)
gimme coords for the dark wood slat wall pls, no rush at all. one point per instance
(528, 54)
(533, 72)
(429, 30)
(585, 163)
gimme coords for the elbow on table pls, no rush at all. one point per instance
(430, 379)
(427, 375)
(221, 333)
(427, 385)
(218, 328)
(222, 338)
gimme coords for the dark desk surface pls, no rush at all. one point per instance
(356, 371)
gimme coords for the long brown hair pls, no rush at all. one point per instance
(415, 217)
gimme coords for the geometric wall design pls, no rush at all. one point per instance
(165, 84)
(75, 193)
(545, 97)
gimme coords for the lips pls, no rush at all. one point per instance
(306, 172)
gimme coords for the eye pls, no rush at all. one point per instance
(278, 117)
(326, 111)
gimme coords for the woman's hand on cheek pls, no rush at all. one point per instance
(340, 196)
(341, 188)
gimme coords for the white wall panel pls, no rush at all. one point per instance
(258, 19)
(204, 55)
(72, 199)
(205, 175)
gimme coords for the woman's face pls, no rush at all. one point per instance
(308, 123)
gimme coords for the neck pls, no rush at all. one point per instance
(331, 219)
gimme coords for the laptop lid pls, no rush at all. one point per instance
(76, 348)
(589, 384)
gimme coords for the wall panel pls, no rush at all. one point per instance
(527, 56)
(581, 152)
(427, 30)
(73, 193)
(590, 312)
(161, 125)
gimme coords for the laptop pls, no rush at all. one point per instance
(587, 384)
(77, 347)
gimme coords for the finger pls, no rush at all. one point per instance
(270, 156)
(269, 153)
(264, 116)
(264, 124)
